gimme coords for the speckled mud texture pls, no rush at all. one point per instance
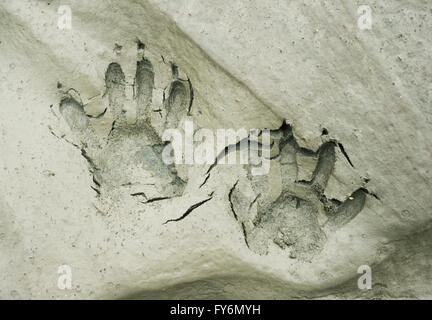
(91, 209)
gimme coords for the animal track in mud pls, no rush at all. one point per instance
(130, 154)
(290, 219)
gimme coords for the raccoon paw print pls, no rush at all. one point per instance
(125, 151)
(291, 218)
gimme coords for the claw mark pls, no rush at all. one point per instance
(117, 48)
(140, 45)
(188, 211)
(174, 70)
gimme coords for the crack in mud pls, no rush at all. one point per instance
(188, 211)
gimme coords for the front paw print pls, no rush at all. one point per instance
(129, 153)
(290, 219)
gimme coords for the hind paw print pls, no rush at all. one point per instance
(124, 151)
(298, 217)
